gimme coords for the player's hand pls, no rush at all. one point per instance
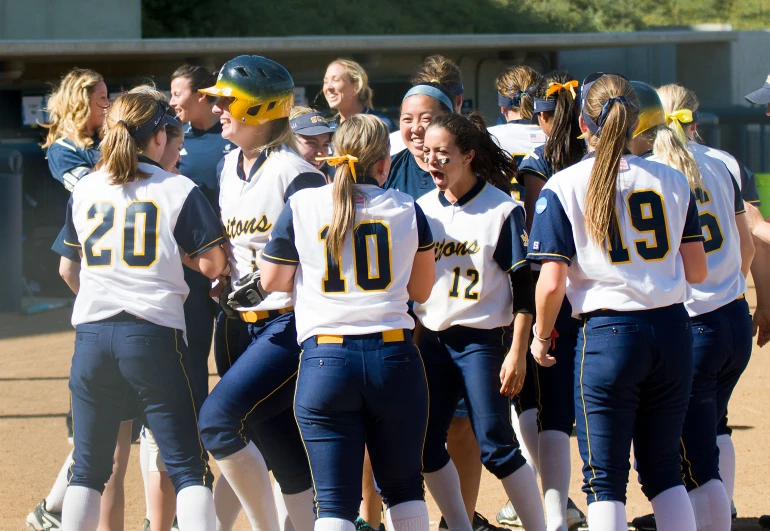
(218, 287)
(512, 374)
(540, 351)
(762, 325)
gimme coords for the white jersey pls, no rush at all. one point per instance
(396, 143)
(250, 207)
(367, 292)
(641, 268)
(479, 240)
(130, 236)
(726, 158)
(518, 139)
(718, 203)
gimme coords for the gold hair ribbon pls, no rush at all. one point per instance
(435, 81)
(683, 116)
(556, 87)
(336, 161)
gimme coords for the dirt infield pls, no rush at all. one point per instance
(36, 352)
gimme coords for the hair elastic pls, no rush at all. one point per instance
(336, 161)
(433, 92)
(596, 127)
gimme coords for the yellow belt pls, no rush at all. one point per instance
(254, 317)
(388, 336)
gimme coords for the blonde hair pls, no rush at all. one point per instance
(600, 211)
(365, 137)
(120, 151)
(515, 79)
(299, 110)
(69, 108)
(671, 142)
(358, 76)
(172, 131)
(280, 135)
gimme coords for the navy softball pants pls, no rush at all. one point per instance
(253, 400)
(722, 347)
(199, 314)
(633, 374)
(362, 391)
(465, 362)
(121, 359)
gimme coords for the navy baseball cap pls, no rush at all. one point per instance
(761, 96)
(311, 124)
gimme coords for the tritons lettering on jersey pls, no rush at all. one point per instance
(235, 227)
(445, 249)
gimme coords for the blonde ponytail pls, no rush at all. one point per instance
(120, 151)
(670, 150)
(359, 143)
(69, 108)
(615, 133)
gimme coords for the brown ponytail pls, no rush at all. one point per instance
(365, 138)
(120, 152)
(600, 212)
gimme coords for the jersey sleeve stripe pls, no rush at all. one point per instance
(71, 244)
(206, 247)
(515, 266)
(753, 201)
(427, 247)
(277, 260)
(549, 256)
(740, 211)
(534, 172)
(694, 237)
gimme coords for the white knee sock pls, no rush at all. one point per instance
(711, 507)
(81, 509)
(144, 466)
(408, 516)
(444, 486)
(673, 511)
(195, 509)
(300, 509)
(247, 474)
(525, 427)
(554, 476)
(226, 504)
(55, 499)
(521, 487)
(607, 516)
(334, 524)
(284, 520)
(727, 463)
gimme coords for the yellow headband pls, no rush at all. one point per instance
(336, 161)
(683, 116)
(556, 87)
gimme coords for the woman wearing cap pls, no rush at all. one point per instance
(256, 390)
(614, 225)
(435, 69)
(129, 315)
(314, 137)
(519, 136)
(347, 91)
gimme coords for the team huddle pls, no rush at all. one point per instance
(393, 310)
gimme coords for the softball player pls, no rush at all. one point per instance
(545, 406)
(519, 136)
(435, 69)
(314, 137)
(408, 171)
(255, 182)
(479, 253)
(613, 225)
(347, 91)
(131, 218)
(721, 322)
(358, 252)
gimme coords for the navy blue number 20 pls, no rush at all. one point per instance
(140, 234)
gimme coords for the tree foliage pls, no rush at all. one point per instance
(257, 18)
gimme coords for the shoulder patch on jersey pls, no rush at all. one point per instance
(537, 138)
(541, 205)
(525, 238)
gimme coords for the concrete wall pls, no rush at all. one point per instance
(70, 19)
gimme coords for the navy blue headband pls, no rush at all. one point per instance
(513, 100)
(455, 88)
(153, 125)
(596, 127)
(433, 92)
(544, 105)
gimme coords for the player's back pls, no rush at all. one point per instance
(718, 203)
(518, 139)
(130, 236)
(365, 291)
(642, 269)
